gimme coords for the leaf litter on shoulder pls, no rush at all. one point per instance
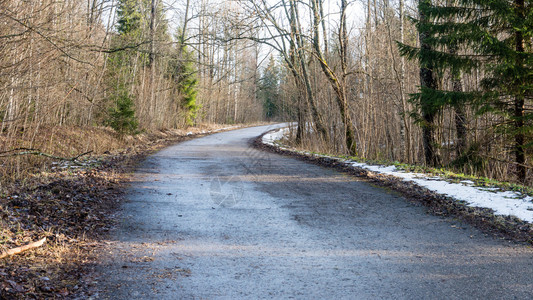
(74, 208)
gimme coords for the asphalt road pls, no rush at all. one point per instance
(212, 218)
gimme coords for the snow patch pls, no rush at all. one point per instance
(506, 203)
(502, 202)
(271, 137)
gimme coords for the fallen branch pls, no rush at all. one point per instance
(21, 249)
(26, 151)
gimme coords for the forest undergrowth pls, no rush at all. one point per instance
(492, 174)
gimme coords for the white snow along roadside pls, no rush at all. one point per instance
(504, 203)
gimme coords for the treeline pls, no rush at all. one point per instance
(133, 65)
(77, 63)
(437, 82)
(445, 83)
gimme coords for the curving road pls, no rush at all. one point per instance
(212, 218)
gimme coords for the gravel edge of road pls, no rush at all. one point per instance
(503, 227)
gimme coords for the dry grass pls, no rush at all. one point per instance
(64, 141)
(70, 141)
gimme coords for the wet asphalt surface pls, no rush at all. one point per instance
(213, 218)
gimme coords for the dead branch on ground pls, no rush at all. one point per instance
(21, 249)
(29, 151)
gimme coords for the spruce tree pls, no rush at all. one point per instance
(122, 115)
(495, 37)
(183, 72)
(130, 25)
(427, 106)
(268, 91)
(428, 83)
(133, 50)
(131, 19)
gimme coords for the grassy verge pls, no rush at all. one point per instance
(443, 173)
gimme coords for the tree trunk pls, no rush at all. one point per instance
(519, 102)
(152, 30)
(460, 120)
(338, 84)
(404, 126)
(429, 113)
(299, 49)
(323, 23)
(459, 110)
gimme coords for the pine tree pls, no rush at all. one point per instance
(131, 19)
(134, 26)
(134, 49)
(495, 36)
(130, 25)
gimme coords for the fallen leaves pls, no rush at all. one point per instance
(74, 208)
(71, 208)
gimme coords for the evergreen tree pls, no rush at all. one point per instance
(134, 51)
(427, 106)
(122, 115)
(495, 36)
(133, 26)
(131, 17)
(268, 91)
(184, 74)
(120, 72)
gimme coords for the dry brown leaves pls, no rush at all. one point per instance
(74, 208)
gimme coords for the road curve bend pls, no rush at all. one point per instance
(213, 218)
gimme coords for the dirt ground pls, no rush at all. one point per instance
(73, 207)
